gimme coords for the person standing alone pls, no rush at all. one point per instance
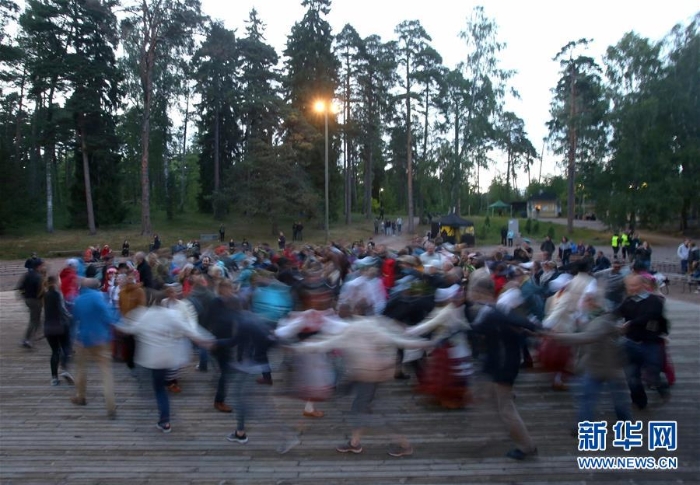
(683, 253)
(32, 289)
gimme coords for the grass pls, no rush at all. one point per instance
(187, 226)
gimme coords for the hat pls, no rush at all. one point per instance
(73, 263)
(445, 294)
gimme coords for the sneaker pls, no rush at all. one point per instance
(398, 450)
(68, 377)
(164, 427)
(236, 438)
(348, 447)
(288, 445)
(27, 344)
(518, 454)
(78, 401)
(223, 407)
(55, 381)
(201, 368)
(174, 388)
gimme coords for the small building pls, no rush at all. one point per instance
(543, 205)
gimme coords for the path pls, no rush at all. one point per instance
(46, 440)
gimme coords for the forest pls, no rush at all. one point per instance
(111, 110)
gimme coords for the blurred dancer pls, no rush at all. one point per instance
(368, 347)
(162, 335)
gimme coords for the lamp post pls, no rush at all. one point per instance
(325, 107)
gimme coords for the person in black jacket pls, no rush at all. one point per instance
(502, 335)
(548, 247)
(56, 330)
(144, 269)
(645, 326)
(32, 289)
(201, 298)
(221, 322)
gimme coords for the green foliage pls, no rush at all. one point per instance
(528, 226)
(487, 221)
(550, 231)
(536, 227)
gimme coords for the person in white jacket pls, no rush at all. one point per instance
(162, 335)
(368, 346)
(188, 313)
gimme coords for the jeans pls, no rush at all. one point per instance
(203, 358)
(645, 360)
(589, 391)
(159, 378)
(35, 306)
(59, 351)
(684, 266)
(222, 358)
(102, 355)
(242, 390)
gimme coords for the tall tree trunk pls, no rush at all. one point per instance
(217, 178)
(145, 141)
(86, 177)
(183, 174)
(572, 154)
(346, 148)
(510, 163)
(20, 115)
(458, 167)
(49, 197)
(409, 151)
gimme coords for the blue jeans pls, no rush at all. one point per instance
(159, 377)
(591, 388)
(222, 358)
(203, 358)
(645, 360)
(242, 390)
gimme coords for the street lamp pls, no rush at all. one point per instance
(326, 107)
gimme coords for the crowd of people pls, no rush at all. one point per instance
(351, 316)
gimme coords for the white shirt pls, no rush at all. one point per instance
(683, 251)
(163, 335)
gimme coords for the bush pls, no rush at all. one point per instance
(550, 230)
(528, 226)
(487, 221)
(536, 227)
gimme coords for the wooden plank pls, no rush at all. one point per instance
(45, 439)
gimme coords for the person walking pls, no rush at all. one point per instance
(93, 319)
(56, 330)
(281, 241)
(502, 339)
(32, 289)
(644, 329)
(222, 233)
(548, 247)
(625, 245)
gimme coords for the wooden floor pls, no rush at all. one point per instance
(44, 439)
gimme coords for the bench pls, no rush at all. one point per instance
(208, 237)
